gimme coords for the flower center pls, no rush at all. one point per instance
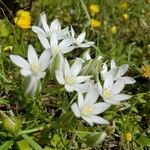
(36, 67)
(86, 111)
(69, 79)
(106, 93)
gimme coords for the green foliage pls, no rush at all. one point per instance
(47, 121)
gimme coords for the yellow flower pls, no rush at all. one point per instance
(113, 29)
(146, 71)
(23, 19)
(128, 136)
(125, 16)
(124, 5)
(94, 8)
(95, 23)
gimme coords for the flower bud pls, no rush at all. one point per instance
(12, 124)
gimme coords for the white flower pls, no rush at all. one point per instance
(79, 41)
(117, 72)
(47, 30)
(65, 46)
(34, 66)
(88, 109)
(110, 90)
(68, 76)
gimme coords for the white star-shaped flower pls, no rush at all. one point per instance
(55, 47)
(34, 66)
(68, 76)
(88, 109)
(47, 31)
(117, 72)
(110, 92)
(80, 40)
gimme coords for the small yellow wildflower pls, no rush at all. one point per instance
(8, 48)
(113, 29)
(125, 16)
(23, 19)
(94, 8)
(124, 5)
(128, 136)
(95, 23)
(146, 71)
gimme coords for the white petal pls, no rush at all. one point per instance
(66, 42)
(81, 38)
(91, 97)
(62, 33)
(99, 107)
(82, 88)
(66, 68)
(44, 41)
(81, 79)
(76, 67)
(67, 49)
(32, 55)
(113, 64)
(98, 120)
(80, 100)
(38, 30)
(99, 86)
(44, 59)
(25, 72)
(55, 25)
(54, 40)
(89, 121)
(72, 32)
(108, 83)
(44, 23)
(128, 80)
(19, 61)
(69, 88)
(118, 86)
(87, 44)
(41, 75)
(120, 97)
(59, 77)
(122, 70)
(75, 110)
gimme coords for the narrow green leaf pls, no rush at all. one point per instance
(32, 142)
(6, 145)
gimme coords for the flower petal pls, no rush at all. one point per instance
(120, 97)
(99, 107)
(118, 86)
(91, 96)
(81, 79)
(128, 80)
(54, 40)
(44, 23)
(19, 61)
(108, 83)
(25, 72)
(80, 100)
(98, 120)
(32, 55)
(44, 59)
(113, 64)
(55, 25)
(89, 121)
(59, 77)
(75, 109)
(44, 41)
(66, 68)
(69, 88)
(81, 38)
(122, 70)
(76, 67)
(87, 44)
(38, 30)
